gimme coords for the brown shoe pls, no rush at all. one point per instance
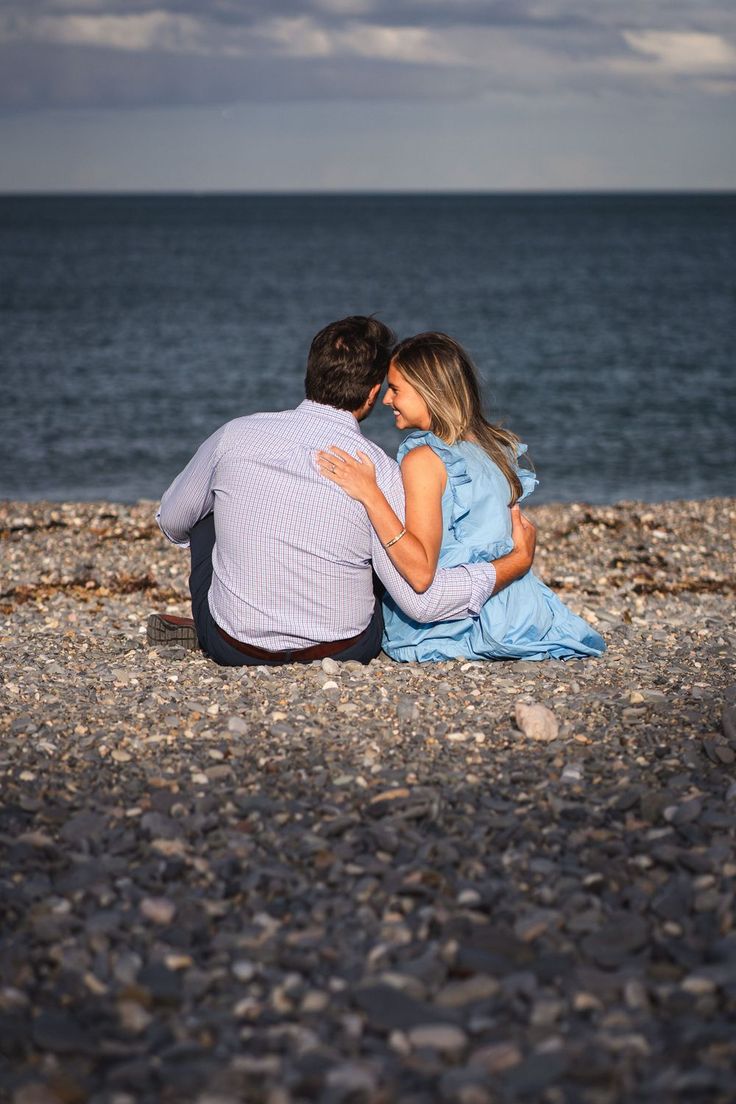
(166, 628)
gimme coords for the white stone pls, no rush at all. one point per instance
(586, 1002)
(536, 721)
(237, 726)
(133, 1017)
(546, 1012)
(497, 1057)
(698, 985)
(469, 898)
(314, 1001)
(446, 1038)
(457, 994)
(399, 1043)
(243, 970)
(572, 773)
(158, 909)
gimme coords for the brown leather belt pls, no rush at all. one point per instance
(314, 651)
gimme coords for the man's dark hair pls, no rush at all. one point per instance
(346, 359)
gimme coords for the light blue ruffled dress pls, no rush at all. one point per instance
(526, 620)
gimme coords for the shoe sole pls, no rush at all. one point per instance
(159, 631)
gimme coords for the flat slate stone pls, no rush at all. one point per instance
(388, 1009)
(616, 940)
(83, 827)
(534, 1074)
(60, 1033)
(163, 984)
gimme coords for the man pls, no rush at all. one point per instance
(281, 558)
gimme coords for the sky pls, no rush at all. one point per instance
(379, 95)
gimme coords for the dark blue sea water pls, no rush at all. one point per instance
(603, 326)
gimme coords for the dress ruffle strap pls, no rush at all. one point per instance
(528, 479)
(458, 479)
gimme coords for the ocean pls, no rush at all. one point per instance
(603, 327)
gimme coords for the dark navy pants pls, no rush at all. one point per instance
(202, 541)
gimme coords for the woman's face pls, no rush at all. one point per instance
(410, 409)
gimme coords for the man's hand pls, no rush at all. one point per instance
(516, 563)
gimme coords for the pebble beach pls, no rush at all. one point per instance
(466, 882)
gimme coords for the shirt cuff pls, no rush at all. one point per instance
(482, 582)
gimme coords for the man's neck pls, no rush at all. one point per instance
(360, 414)
(329, 409)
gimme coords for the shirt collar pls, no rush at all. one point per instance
(331, 412)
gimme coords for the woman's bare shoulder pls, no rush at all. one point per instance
(420, 459)
(422, 467)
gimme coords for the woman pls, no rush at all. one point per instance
(460, 477)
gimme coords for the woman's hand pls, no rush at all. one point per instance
(355, 474)
(412, 544)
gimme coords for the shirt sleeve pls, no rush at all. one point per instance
(455, 593)
(191, 496)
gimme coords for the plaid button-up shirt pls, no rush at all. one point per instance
(293, 553)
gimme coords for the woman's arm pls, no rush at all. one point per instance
(424, 476)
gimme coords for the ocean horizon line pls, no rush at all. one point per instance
(280, 193)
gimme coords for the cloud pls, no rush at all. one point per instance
(153, 30)
(303, 37)
(300, 36)
(118, 52)
(683, 51)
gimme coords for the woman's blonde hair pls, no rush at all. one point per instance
(444, 375)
